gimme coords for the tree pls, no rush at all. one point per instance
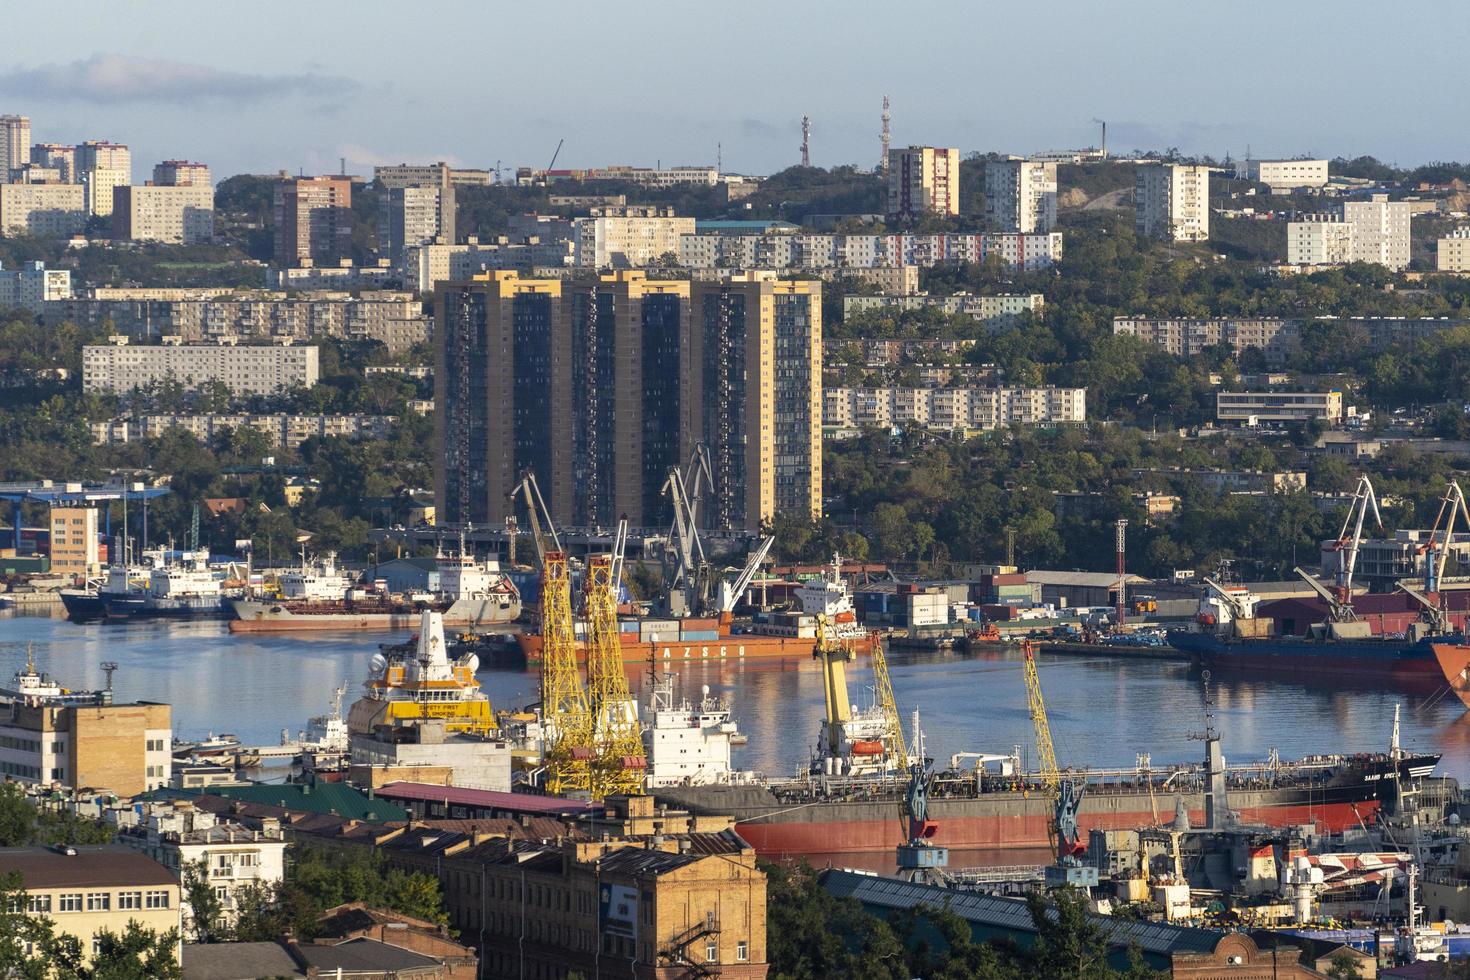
(17, 816)
(206, 911)
(1343, 965)
(136, 954)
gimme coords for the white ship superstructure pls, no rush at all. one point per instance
(689, 743)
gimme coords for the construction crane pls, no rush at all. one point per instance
(1347, 545)
(565, 715)
(559, 143)
(536, 510)
(619, 763)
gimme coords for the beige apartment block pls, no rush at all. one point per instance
(43, 210)
(1284, 175)
(1250, 407)
(313, 218)
(1452, 254)
(120, 368)
(101, 184)
(59, 157)
(123, 748)
(1172, 202)
(923, 180)
(174, 215)
(1021, 195)
(74, 546)
(15, 142)
(627, 237)
(180, 173)
(87, 889)
(953, 409)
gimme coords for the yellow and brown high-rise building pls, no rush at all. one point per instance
(601, 385)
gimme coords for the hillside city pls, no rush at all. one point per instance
(613, 438)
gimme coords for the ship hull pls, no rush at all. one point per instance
(1403, 659)
(734, 646)
(259, 616)
(84, 607)
(780, 828)
(1453, 661)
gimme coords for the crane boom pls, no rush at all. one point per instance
(537, 511)
(742, 581)
(898, 752)
(1046, 753)
(1451, 504)
(1363, 499)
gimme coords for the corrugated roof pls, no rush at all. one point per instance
(1010, 914)
(336, 799)
(489, 799)
(237, 961)
(100, 865)
(1087, 580)
(358, 955)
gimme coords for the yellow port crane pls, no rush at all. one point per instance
(619, 763)
(565, 715)
(893, 742)
(1046, 754)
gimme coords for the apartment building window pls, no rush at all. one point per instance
(156, 900)
(38, 903)
(712, 950)
(70, 902)
(129, 901)
(742, 952)
(99, 901)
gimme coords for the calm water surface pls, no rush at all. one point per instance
(1103, 711)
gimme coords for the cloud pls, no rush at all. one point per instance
(115, 79)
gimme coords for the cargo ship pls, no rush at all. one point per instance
(1453, 660)
(322, 597)
(791, 635)
(168, 587)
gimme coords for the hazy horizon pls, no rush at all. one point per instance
(474, 84)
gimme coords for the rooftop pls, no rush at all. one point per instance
(334, 799)
(94, 865)
(1090, 580)
(488, 799)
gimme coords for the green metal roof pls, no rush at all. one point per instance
(325, 798)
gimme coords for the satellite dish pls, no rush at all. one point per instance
(704, 689)
(379, 665)
(472, 662)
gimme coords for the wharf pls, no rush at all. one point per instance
(1119, 650)
(30, 600)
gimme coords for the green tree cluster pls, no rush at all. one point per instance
(23, 824)
(31, 948)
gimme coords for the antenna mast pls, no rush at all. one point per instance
(883, 137)
(806, 141)
(1122, 569)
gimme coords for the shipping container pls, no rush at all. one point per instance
(701, 636)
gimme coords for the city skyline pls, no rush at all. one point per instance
(278, 99)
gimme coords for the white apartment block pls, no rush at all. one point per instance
(172, 214)
(103, 155)
(119, 368)
(1277, 336)
(284, 431)
(394, 319)
(43, 210)
(994, 311)
(180, 173)
(426, 265)
(1251, 407)
(1284, 175)
(672, 177)
(923, 180)
(1172, 201)
(627, 237)
(100, 185)
(415, 215)
(1021, 195)
(952, 409)
(59, 157)
(15, 144)
(232, 857)
(33, 285)
(1375, 231)
(1452, 254)
(343, 275)
(400, 175)
(818, 252)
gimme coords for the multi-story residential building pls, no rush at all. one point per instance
(121, 367)
(650, 177)
(601, 385)
(818, 252)
(415, 215)
(34, 173)
(15, 142)
(394, 319)
(180, 173)
(1227, 481)
(32, 286)
(232, 858)
(923, 180)
(74, 549)
(173, 214)
(1021, 195)
(43, 210)
(1251, 407)
(1452, 254)
(426, 265)
(102, 166)
(411, 175)
(87, 889)
(627, 237)
(572, 905)
(59, 157)
(1278, 337)
(1284, 175)
(313, 218)
(1172, 202)
(996, 312)
(284, 431)
(953, 408)
(78, 740)
(342, 274)
(1376, 230)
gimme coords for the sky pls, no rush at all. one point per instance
(265, 86)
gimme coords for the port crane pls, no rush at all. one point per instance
(839, 746)
(1436, 552)
(619, 763)
(1066, 795)
(530, 491)
(692, 585)
(919, 856)
(1339, 598)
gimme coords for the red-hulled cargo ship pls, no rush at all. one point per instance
(806, 819)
